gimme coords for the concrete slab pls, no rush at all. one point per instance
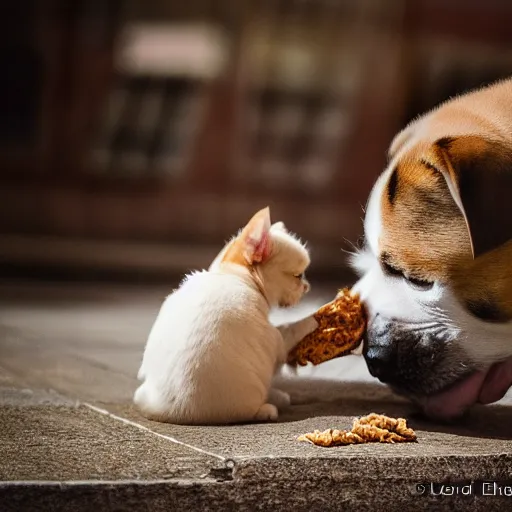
(63, 443)
(485, 432)
(63, 346)
(76, 458)
(278, 473)
(307, 491)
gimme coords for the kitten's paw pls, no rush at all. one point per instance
(267, 412)
(309, 325)
(278, 398)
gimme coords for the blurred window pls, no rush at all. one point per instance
(156, 106)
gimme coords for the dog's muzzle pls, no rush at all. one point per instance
(412, 359)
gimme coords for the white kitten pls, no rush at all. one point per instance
(212, 351)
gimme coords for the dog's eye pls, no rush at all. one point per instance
(391, 271)
(419, 284)
(300, 276)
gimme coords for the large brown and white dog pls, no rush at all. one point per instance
(436, 267)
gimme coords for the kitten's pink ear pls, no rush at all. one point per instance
(256, 238)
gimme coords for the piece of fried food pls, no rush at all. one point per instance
(331, 437)
(374, 428)
(398, 426)
(341, 327)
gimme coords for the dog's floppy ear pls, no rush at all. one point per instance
(478, 172)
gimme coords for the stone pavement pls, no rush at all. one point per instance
(70, 439)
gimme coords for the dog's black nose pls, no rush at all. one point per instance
(379, 361)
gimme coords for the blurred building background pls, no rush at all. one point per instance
(136, 136)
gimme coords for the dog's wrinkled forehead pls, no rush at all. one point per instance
(423, 231)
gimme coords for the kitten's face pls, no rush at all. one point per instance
(275, 258)
(283, 273)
